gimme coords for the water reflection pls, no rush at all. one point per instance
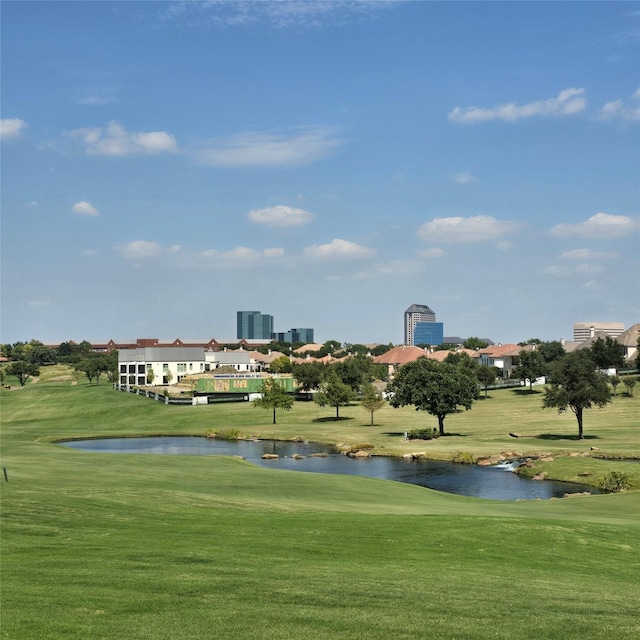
(467, 480)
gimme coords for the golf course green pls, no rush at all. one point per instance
(169, 547)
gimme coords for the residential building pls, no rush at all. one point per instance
(396, 357)
(413, 315)
(254, 325)
(503, 356)
(584, 330)
(629, 340)
(431, 333)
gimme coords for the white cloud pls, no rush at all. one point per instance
(338, 248)
(581, 270)
(567, 102)
(464, 177)
(139, 250)
(12, 128)
(174, 248)
(391, 268)
(89, 252)
(598, 226)
(433, 253)
(115, 140)
(587, 254)
(473, 229)
(85, 209)
(275, 252)
(240, 253)
(283, 14)
(280, 216)
(256, 149)
(617, 110)
(95, 100)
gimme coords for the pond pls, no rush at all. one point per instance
(467, 480)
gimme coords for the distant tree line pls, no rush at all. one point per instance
(26, 358)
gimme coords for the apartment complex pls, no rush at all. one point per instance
(585, 330)
(416, 313)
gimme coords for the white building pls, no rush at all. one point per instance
(584, 330)
(154, 366)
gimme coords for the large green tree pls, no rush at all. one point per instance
(436, 387)
(475, 343)
(309, 375)
(334, 393)
(95, 364)
(551, 351)
(355, 371)
(282, 364)
(274, 396)
(531, 366)
(23, 370)
(576, 384)
(607, 353)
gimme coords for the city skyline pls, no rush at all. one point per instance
(166, 163)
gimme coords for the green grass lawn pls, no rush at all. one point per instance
(145, 546)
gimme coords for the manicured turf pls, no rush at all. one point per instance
(135, 546)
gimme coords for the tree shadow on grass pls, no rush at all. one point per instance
(563, 436)
(526, 392)
(331, 419)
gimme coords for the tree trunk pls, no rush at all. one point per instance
(441, 424)
(274, 415)
(371, 425)
(579, 417)
(337, 412)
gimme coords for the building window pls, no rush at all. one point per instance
(182, 367)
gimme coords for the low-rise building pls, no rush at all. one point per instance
(154, 366)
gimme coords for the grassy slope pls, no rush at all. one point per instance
(99, 545)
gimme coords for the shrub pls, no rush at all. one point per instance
(225, 434)
(629, 382)
(615, 481)
(463, 457)
(423, 434)
(361, 446)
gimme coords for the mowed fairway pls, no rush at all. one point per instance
(144, 546)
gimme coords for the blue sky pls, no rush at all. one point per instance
(166, 164)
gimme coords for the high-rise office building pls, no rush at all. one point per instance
(295, 335)
(253, 325)
(414, 314)
(431, 333)
(584, 330)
